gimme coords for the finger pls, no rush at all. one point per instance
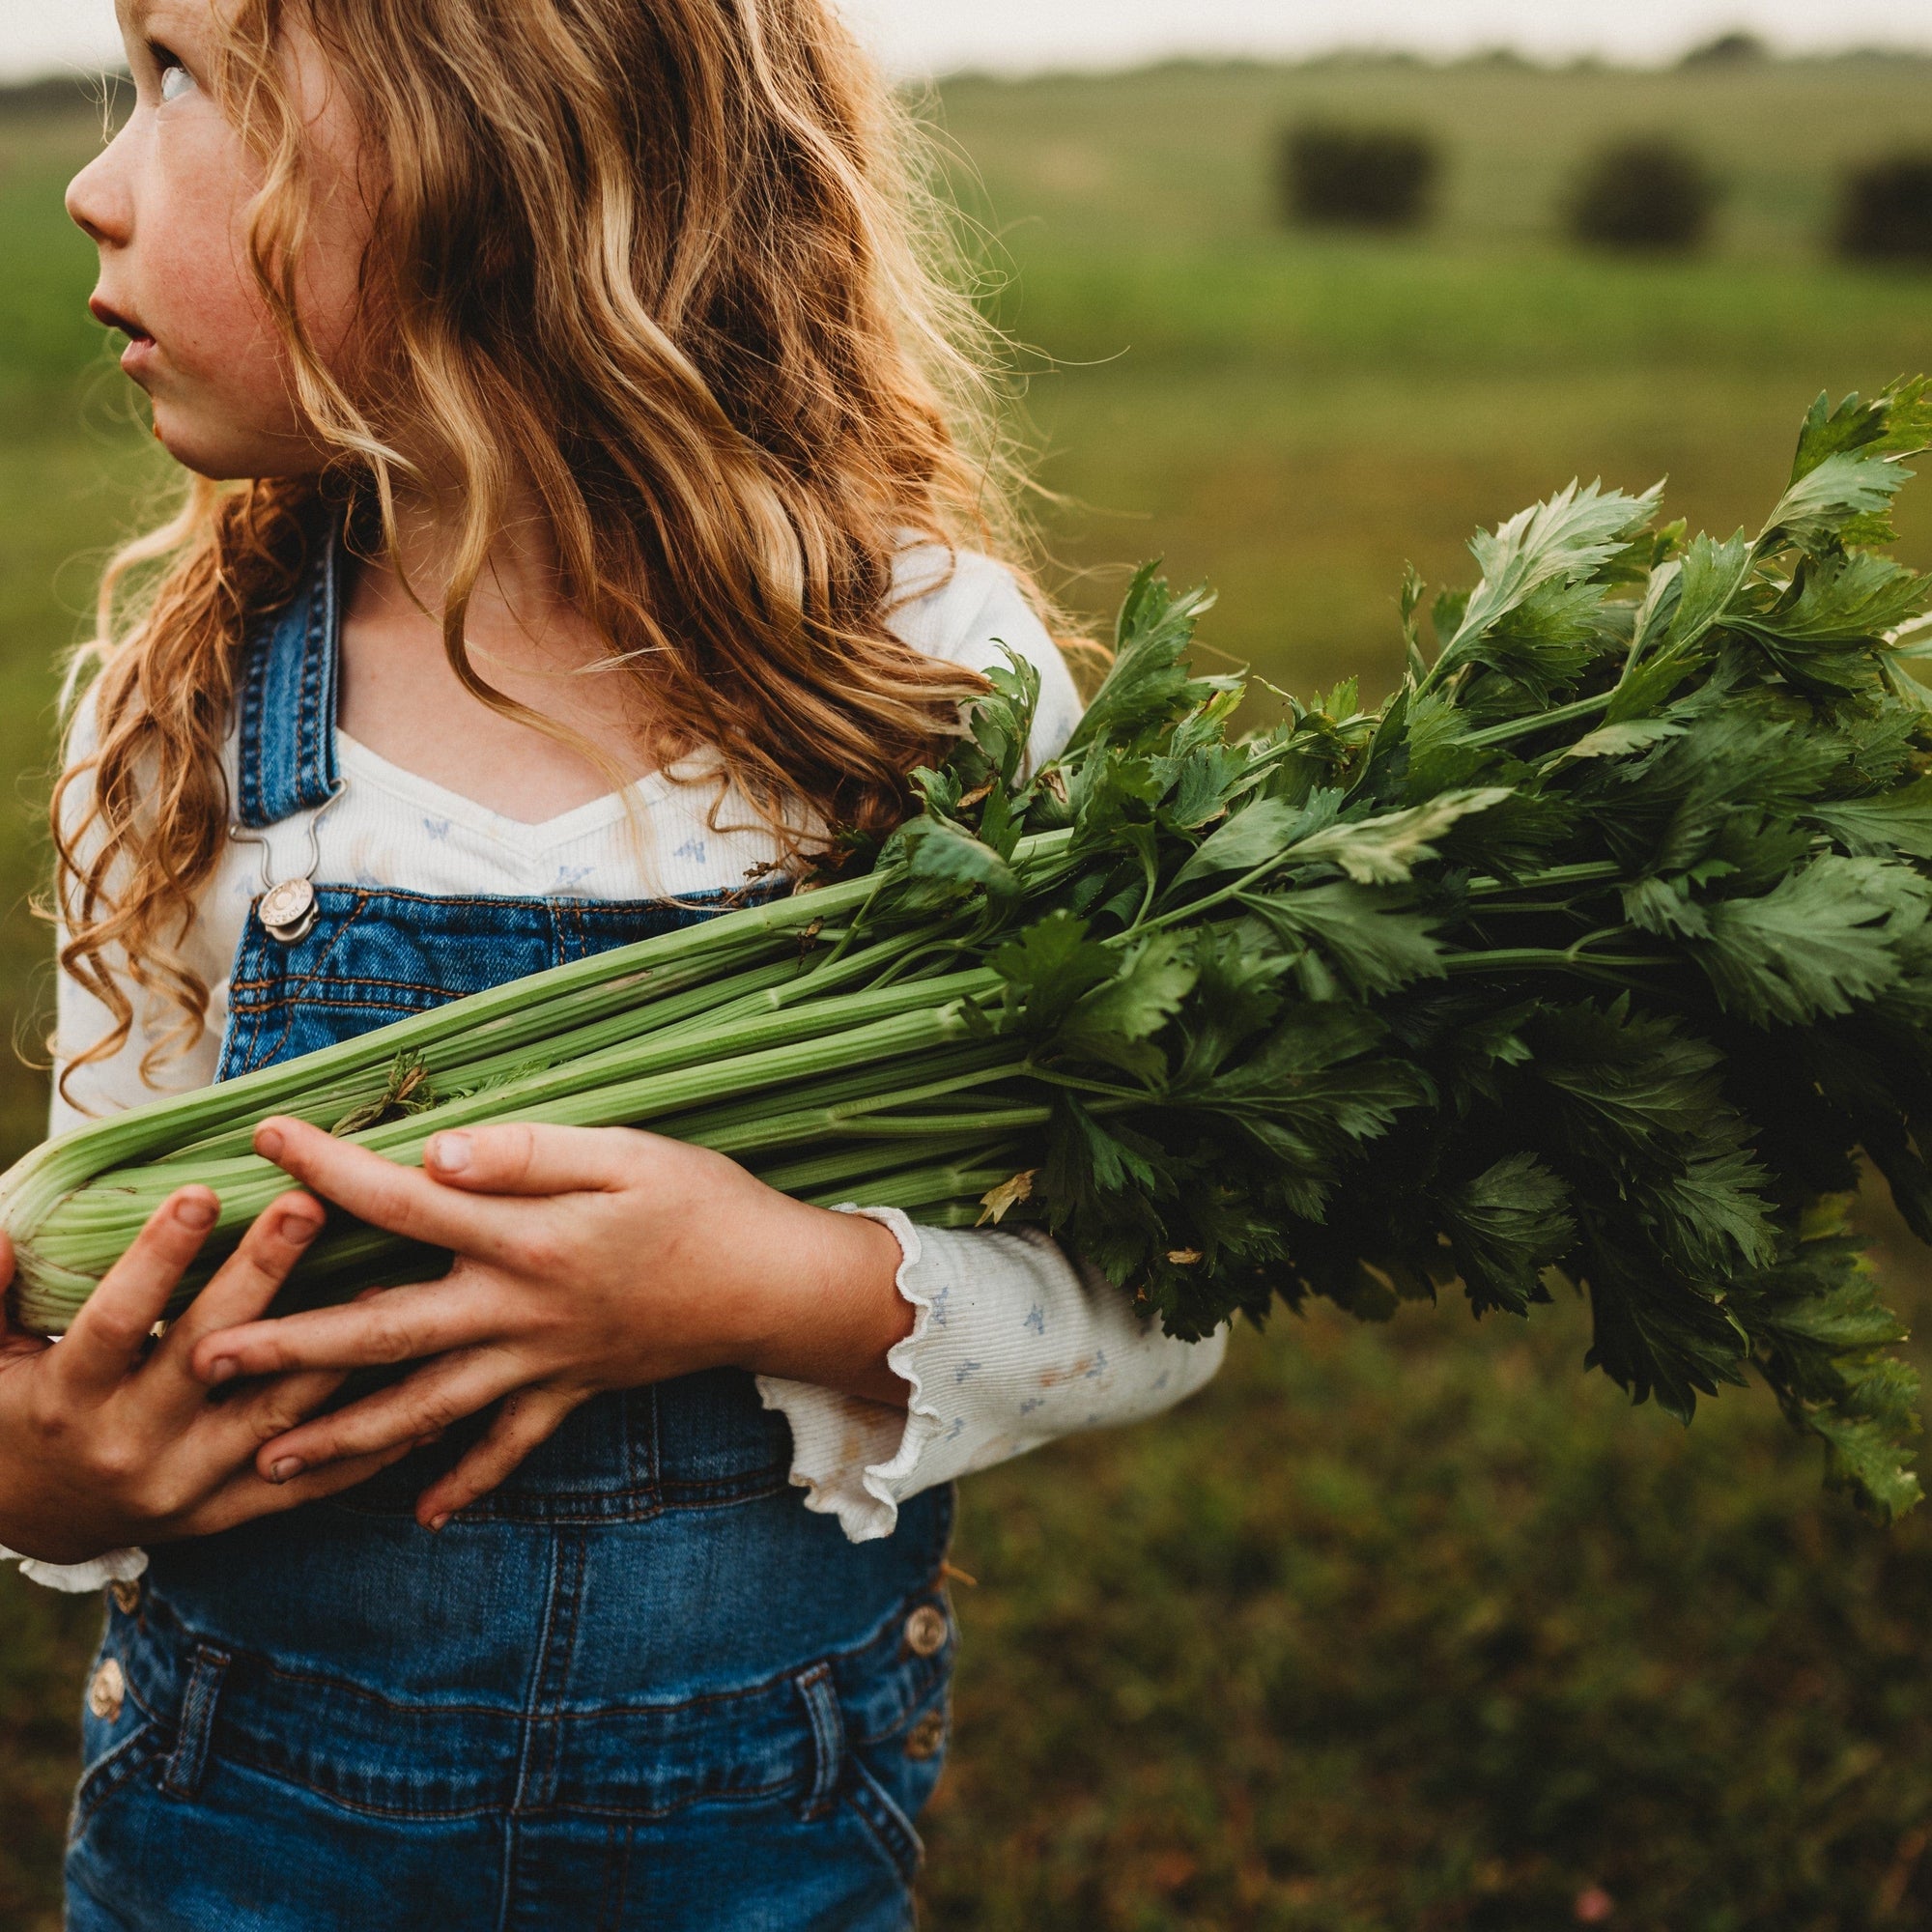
(400, 1200)
(111, 1331)
(397, 1324)
(241, 1428)
(248, 1497)
(425, 1405)
(249, 1279)
(526, 1420)
(519, 1158)
(218, 1442)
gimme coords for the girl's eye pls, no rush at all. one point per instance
(176, 80)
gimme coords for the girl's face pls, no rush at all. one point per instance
(169, 202)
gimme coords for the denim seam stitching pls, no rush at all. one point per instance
(527, 1718)
(292, 997)
(817, 1691)
(683, 1493)
(610, 910)
(308, 688)
(274, 983)
(283, 1773)
(140, 1749)
(408, 1001)
(506, 1889)
(246, 1665)
(315, 733)
(249, 736)
(886, 1824)
(589, 1508)
(592, 1507)
(560, 1650)
(187, 1762)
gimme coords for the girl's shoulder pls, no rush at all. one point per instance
(971, 609)
(79, 741)
(80, 715)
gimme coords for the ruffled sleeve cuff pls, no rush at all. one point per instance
(1012, 1344)
(80, 1579)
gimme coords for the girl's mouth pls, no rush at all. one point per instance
(140, 344)
(109, 317)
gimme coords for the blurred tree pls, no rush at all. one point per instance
(1733, 50)
(1643, 194)
(1885, 212)
(1335, 176)
(61, 93)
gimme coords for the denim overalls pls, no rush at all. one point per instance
(641, 1686)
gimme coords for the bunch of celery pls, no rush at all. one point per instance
(1601, 951)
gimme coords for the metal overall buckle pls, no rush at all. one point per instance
(289, 907)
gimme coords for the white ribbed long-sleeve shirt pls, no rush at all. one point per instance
(1013, 1343)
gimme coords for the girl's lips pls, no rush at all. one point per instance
(109, 317)
(140, 349)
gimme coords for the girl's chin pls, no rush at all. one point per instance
(191, 452)
(222, 459)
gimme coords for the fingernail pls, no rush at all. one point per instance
(269, 1143)
(197, 1215)
(225, 1370)
(437, 1523)
(288, 1467)
(452, 1153)
(299, 1230)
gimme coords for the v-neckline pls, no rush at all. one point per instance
(458, 807)
(593, 815)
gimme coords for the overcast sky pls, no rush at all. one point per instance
(938, 34)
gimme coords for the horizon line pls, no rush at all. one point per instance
(1339, 53)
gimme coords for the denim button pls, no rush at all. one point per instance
(126, 1597)
(289, 911)
(107, 1693)
(925, 1630)
(926, 1736)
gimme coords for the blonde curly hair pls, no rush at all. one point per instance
(677, 266)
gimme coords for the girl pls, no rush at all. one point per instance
(585, 524)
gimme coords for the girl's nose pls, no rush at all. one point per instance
(97, 201)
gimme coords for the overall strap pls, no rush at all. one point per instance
(286, 750)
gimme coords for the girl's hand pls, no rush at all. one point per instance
(585, 1261)
(106, 1438)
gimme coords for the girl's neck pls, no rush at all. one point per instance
(517, 604)
(402, 697)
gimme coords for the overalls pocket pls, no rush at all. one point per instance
(895, 1777)
(892, 1724)
(130, 1757)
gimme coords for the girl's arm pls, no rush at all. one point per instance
(106, 1440)
(899, 1357)
(597, 1259)
(1015, 1343)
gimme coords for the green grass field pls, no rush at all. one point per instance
(1396, 1629)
